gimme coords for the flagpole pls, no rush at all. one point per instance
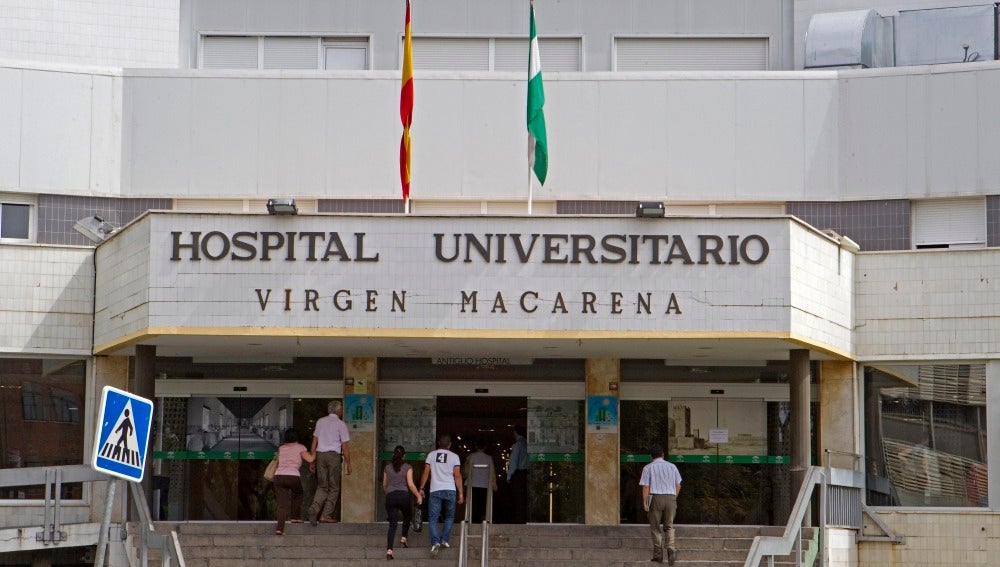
(531, 189)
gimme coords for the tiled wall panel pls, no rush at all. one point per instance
(58, 213)
(874, 225)
(46, 299)
(124, 33)
(927, 303)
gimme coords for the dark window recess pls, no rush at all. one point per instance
(14, 220)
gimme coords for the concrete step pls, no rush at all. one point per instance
(220, 544)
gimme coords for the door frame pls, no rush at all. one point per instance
(196, 387)
(416, 389)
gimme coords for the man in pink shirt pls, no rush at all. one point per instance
(330, 446)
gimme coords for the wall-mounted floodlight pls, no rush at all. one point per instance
(650, 209)
(95, 228)
(282, 207)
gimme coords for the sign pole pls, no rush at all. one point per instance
(102, 538)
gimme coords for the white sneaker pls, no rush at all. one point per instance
(434, 550)
(445, 545)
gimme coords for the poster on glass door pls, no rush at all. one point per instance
(717, 427)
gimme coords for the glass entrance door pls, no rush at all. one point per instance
(491, 422)
(211, 453)
(720, 445)
(554, 430)
(732, 454)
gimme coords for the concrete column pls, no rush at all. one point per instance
(106, 371)
(357, 500)
(144, 381)
(798, 396)
(838, 418)
(601, 450)
(144, 384)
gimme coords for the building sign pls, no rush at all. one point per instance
(494, 273)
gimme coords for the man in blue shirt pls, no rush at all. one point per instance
(661, 483)
(517, 475)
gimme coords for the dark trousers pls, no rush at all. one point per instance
(519, 494)
(397, 500)
(288, 493)
(478, 503)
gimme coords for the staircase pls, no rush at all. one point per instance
(535, 545)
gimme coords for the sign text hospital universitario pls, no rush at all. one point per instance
(486, 248)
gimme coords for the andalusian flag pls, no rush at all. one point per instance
(538, 147)
(406, 107)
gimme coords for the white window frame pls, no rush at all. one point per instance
(492, 47)
(769, 42)
(32, 203)
(321, 39)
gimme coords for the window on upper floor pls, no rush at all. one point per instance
(949, 223)
(691, 53)
(495, 53)
(284, 52)
(15, 218)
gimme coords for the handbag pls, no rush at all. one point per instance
(271, 468)
(418, 520)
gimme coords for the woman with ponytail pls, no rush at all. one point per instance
(397, 482)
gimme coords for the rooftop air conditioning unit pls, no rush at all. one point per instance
(860, 39)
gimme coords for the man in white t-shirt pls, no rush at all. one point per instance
(444, 470)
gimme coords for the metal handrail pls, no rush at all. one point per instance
(168, 543)
(463, 548)
(858, 457)
(770, 546)
(52, 531)
(52, 478)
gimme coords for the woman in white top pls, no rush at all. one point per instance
(287, 480)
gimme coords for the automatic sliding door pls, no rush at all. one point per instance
(720, 445)
(213, 451)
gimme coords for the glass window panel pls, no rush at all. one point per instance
(346, 57)
(41, 419)
(927, 441)
(14, 220)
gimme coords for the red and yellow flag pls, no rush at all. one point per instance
(406, 107)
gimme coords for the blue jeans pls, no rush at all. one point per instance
(441, 499)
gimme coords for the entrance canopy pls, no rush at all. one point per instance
(688, 290)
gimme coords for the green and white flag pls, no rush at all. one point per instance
(538, 147)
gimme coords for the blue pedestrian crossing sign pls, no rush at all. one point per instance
(123, 428)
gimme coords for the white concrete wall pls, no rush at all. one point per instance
(898, 133)
(61, 129)
(123, 33)
(47, 300)
(907, 133)
(928, 305)
(122, 300)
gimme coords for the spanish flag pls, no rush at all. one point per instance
(406, 108)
